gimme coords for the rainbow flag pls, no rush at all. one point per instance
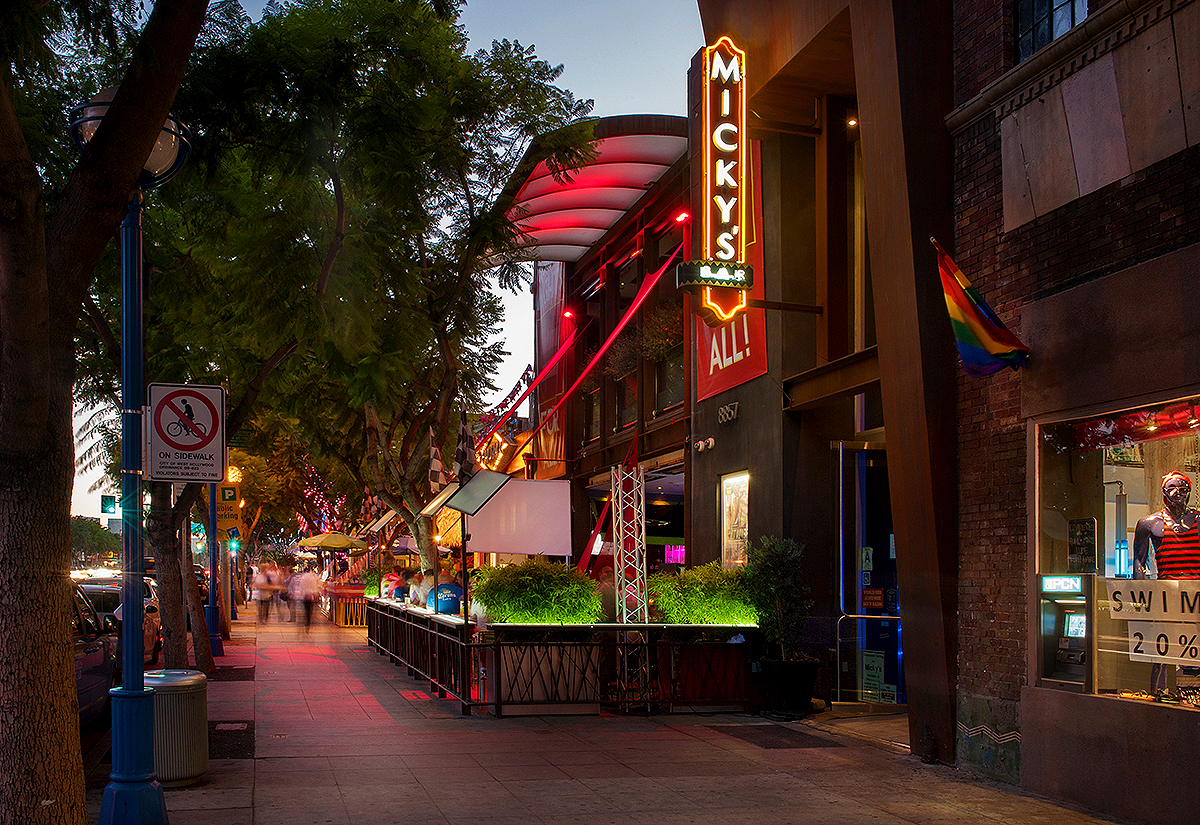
(985, 345)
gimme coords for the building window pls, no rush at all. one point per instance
(669, 381)
(591, 415)
(625, 393)
(735, 489)
(1118, 584)
(1037, 22)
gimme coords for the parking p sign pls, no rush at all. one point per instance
(186, 433)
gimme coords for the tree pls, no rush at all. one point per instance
(90, 541)
(46, 264)
(415, 140)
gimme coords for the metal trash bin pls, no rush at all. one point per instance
(180, 725)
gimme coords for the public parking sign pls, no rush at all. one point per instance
(186, 433)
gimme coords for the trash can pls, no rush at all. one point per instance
(180, 725)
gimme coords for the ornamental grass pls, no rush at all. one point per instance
(537, 592)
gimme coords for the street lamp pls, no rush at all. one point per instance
(132, 794)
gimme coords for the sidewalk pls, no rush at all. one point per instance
(317, 728)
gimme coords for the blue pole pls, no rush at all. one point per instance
(212, 612)
(132, 796)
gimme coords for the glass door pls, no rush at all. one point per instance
(870, 650)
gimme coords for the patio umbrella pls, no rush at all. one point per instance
(333, 541)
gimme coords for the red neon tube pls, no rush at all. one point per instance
(647, 285)
(557, 357)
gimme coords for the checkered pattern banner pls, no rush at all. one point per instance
(437, 473)
(464, 455)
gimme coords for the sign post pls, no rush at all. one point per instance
(185, 440)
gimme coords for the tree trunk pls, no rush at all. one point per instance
(166, 545)
(201, 647)
(423, 531)
(41, 768)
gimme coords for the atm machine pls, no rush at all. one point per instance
(1066, 638)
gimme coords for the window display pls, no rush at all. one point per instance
(734, 523)
(1116, 523)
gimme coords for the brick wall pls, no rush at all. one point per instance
(982, 45)
(1136, 219)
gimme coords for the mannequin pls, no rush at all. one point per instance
(1166, 544)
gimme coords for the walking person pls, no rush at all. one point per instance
(293, 580)
(308, 591)
(274, 588)
(262, 594)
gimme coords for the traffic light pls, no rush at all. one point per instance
(108, 504)
(234, 545)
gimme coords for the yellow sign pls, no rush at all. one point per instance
(229, 510)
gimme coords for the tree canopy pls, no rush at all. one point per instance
(331, 245)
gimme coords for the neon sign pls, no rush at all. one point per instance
(722, 275)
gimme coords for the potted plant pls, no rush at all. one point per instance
(662, 331)
(549, 664)
(622, 356)
(779, 593)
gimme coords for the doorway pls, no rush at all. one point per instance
(869, 647)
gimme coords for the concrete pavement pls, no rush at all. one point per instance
(317, 728)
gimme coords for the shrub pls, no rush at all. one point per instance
(371, 580)
(537, 592)
(707, 594)
(777, 587)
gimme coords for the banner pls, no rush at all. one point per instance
(733, 353)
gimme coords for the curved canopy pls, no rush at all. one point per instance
(561, 221)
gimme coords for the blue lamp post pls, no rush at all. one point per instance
(132, 795)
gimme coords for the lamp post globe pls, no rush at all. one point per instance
(170, 151)
(132, 796)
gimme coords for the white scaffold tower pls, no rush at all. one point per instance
(629, 534)
(633, 606)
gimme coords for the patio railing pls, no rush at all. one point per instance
(534, 669)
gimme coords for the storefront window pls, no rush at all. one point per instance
(1119, 553)
(734, 500)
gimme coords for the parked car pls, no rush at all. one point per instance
(95, 643)
(105, 595)
(202, 580)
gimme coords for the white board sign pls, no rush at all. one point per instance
(525, 517)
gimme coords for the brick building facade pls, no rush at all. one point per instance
(1058, 159)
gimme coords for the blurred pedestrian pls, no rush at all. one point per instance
(293, 580)
(308, 591)
(274, 588)
(604, 574)
(262, 593)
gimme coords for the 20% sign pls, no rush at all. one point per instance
(1167, 642)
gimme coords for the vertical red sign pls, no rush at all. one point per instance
(733, 353)
(724, 235)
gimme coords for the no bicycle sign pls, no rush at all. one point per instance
(185, 433)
